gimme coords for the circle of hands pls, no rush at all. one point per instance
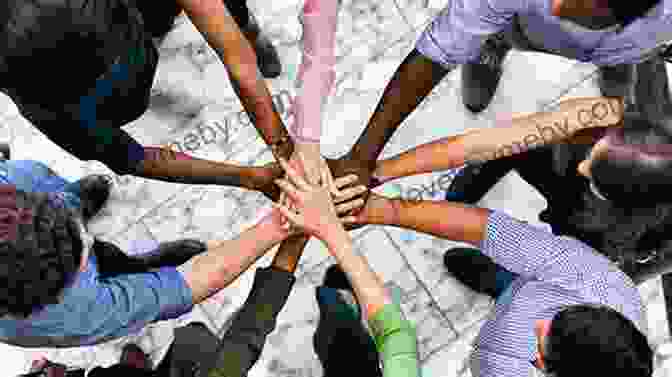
(318, 206)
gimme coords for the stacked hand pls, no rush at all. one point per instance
(315, 212)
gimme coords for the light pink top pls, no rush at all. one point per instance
(316, 73)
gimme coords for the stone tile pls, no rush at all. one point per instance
(462, 306)
(452, 359)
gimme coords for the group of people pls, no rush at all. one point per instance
(566, 301)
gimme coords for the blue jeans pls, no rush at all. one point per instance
(34, 176)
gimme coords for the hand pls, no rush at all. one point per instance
(377, 210)
(264, 181)
(362, 169)
(315, 168)
(316, 214)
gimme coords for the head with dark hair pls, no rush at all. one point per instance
(627, 12)
(42, 258)
(595, 339)
(62, 45)
(599, 14)
(633, 167)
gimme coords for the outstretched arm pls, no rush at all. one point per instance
(243, 343)
(213, 20)
(315, 81)
(412, 82)
(519, 247)
(522, 133)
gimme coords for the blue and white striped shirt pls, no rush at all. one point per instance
(554, 271)
(456, 34)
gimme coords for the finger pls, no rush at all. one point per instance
(292, 217)
(350, 193)
(294, 176)
(348, 220)
(349, 206)
(328, 181)
(288, 189)
(345, 180)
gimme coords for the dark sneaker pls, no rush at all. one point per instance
(475, 180)
(95, 190)
(477, 271)
(267, 56)
(133, 356)
(4, 151)
(480, 80)
(336, 293)
(172, 253)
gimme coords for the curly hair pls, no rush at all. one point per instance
(85, 35)
(43, 259)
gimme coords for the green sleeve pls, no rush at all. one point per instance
(395, 339)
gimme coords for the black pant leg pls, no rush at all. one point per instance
(239, 11)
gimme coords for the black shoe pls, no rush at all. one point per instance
(480, 80)
(267, 56)
(4, 150)
(95, 190)
(336, 278)
(616, 81)
(172, 254)
(473, 269)
(474, 181)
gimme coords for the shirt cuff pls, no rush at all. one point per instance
(270, 291)
(173, 281)
(392, 333)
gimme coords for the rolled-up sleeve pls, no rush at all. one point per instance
(456, 34)
(129, 302)
(396, 341)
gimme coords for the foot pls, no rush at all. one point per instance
(480, 79)
(262, 179)
(172, 254)
(133, 356)
(267, 56)
(95, 190)
(476, 270)
(4, 151)
(377, 210)
(337, 282)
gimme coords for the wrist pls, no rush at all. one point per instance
(271, 228)
(282, 146)
(336, 239)
(308, 146)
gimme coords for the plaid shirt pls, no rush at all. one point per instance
(554, 271)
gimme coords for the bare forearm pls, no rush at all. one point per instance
(412, 82)
(443, 219)
(213, 20)
(177, 167)
(368, 287)
(226, 261)
(288, 254)
(522, 133)
(441, 154)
